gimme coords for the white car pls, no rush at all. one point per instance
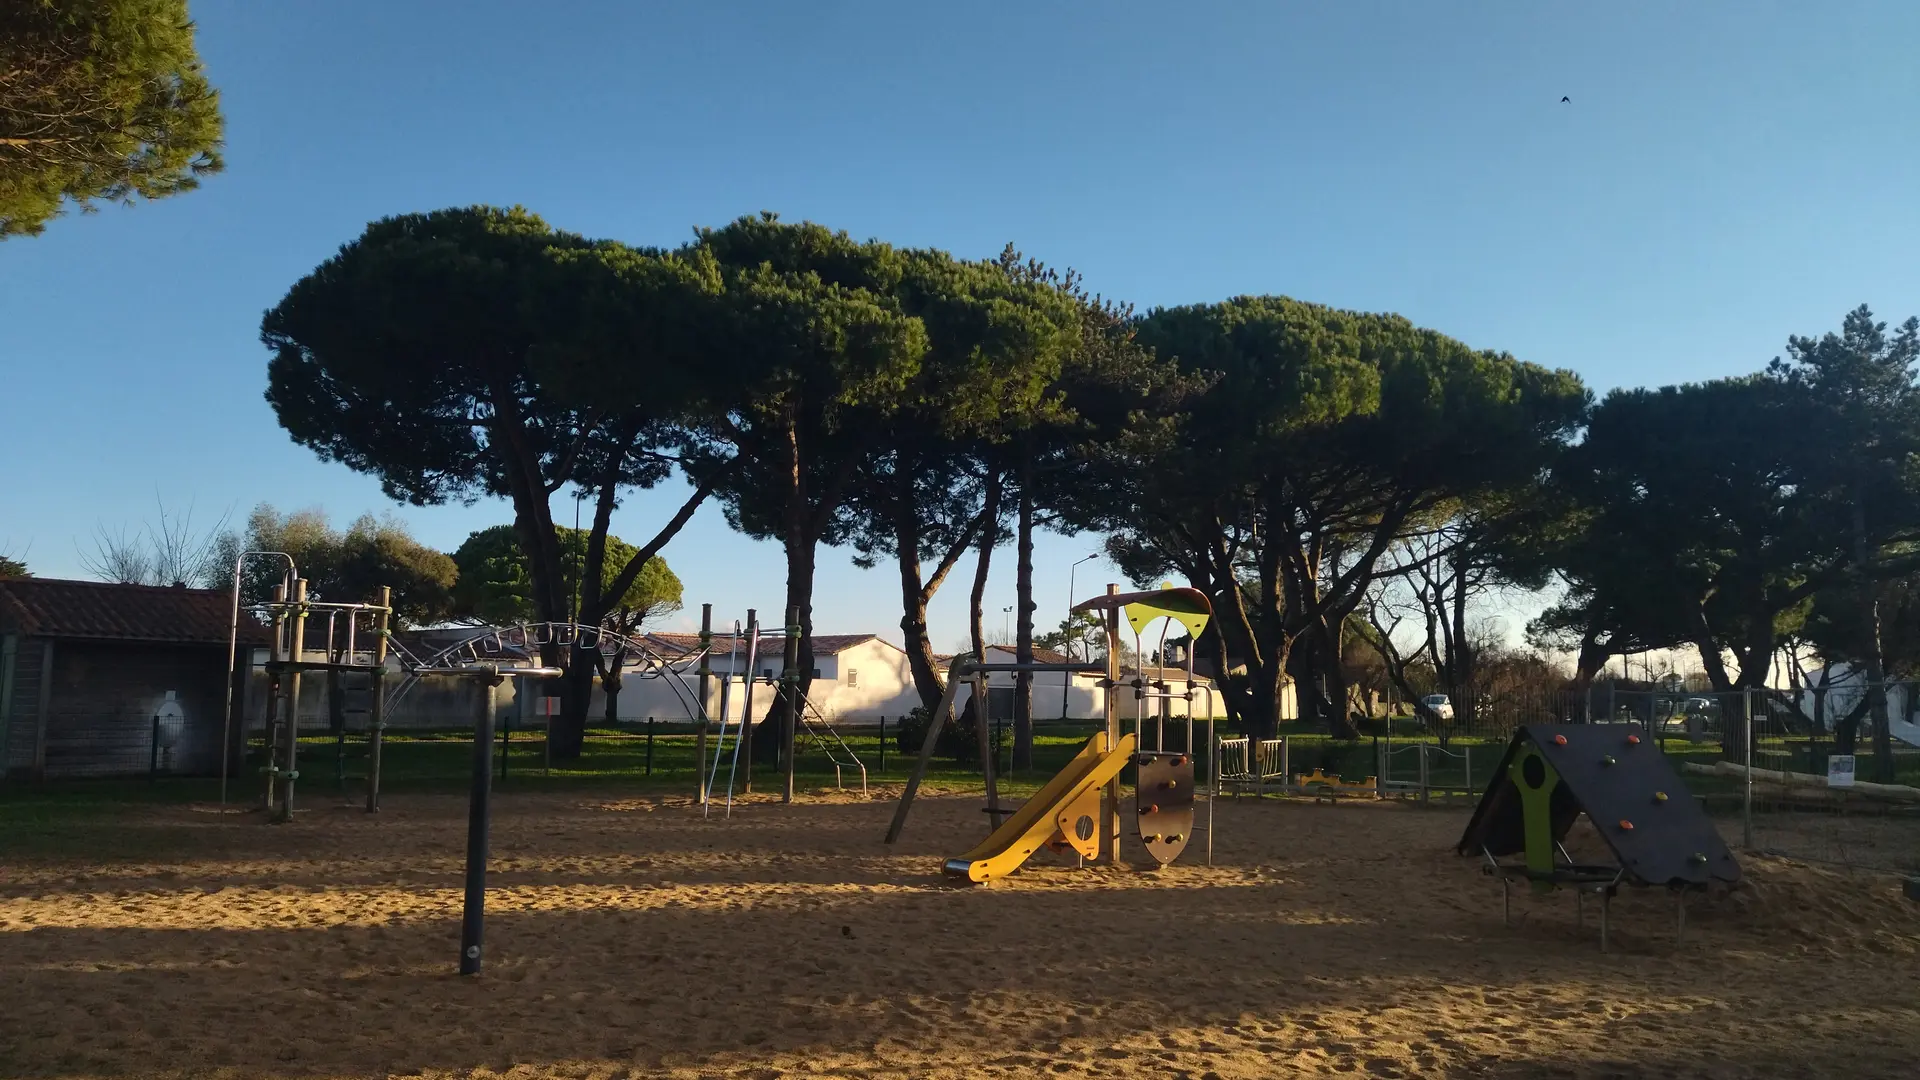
(1437, 705)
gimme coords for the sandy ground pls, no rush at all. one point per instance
(631, 938)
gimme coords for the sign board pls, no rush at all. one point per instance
(1840, 770)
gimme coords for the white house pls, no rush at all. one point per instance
(1078, 696)
(857, 679)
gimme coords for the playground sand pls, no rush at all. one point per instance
(630, 938)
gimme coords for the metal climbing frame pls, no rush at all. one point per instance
(831, 744)
(290, 615)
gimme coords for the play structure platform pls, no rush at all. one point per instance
(1655, 831)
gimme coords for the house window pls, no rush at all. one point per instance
(853, 676)
(766, 673)
(816, 673)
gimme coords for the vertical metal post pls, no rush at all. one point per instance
(706, 681)
(790, 710)
(153, 752)
(276, 686)
(1110, 808)
(745, 734)
(649, 746)
(1746, 800)
(298, 649)
(1466, 755)
(1423, 772)
(378, 706)
(473, 914)
(883, 743)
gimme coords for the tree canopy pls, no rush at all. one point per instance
(346, 566)
(495, 586)
(100, 101)
(479, 352)
(1325, 436)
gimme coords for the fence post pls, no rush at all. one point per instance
(883, 743)
(1423, 772)
(153, 752)
(1466, 756)
(1286, 766)
(649, 746)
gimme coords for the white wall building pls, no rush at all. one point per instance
(857, 679)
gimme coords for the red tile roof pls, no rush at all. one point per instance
(99, 611)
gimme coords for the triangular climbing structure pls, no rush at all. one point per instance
(1552, 773)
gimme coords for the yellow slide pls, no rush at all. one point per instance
(1075, 787)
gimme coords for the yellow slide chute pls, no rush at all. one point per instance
(1065, 812)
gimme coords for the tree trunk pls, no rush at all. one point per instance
(610, 682)
(1340, 719)
(915, 594)
(1231, 690)
(1023, 639)
(976, 625)
(800, 541)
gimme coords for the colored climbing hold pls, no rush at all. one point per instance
(1697, 858)
(1559, 740)
(1625, 825)
(1608, 760)
(1180, 759)
(1633, 740)
(1659, 796)
(1168, 785)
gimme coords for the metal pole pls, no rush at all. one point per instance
(706, 681)
(378, 720)
(790, 711)
(473, 917)
(298, 649)
(649, 746)
(1746, 801)
(746, 708)
(270, 723)
(153, 753)
(883, 742)
(1110, 810)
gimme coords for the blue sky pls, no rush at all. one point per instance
(1725, 175)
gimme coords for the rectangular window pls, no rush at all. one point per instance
(853, 676)
(766, 673)
(816, 673)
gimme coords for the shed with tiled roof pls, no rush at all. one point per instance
(86, 666)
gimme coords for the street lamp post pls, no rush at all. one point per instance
(1066, 677)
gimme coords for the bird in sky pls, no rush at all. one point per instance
(1566, 100)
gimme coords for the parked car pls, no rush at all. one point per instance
(1437, 706)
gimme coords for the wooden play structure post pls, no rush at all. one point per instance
(377, 719)
(297, 648)
(1110, 807)
(934, 724)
